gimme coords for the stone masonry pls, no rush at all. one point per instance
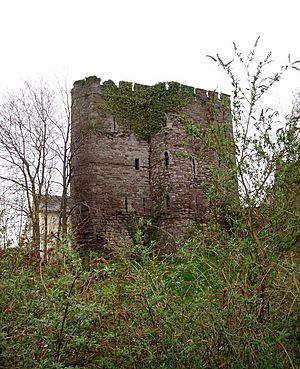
(116, 175)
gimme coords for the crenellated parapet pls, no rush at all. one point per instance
(106, 98)
(93, 84)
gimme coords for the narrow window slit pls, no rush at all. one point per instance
(114, 124)
(144, 205)
(126, 204)
(137, 164)
(197, 205)
(168, 202)
(194, 166)
(166, 159)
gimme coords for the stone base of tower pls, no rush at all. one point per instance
(172, 232)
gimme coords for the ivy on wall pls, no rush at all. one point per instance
(142, 111)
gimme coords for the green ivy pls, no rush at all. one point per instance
(142, 111)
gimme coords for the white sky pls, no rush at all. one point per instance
(143, 41)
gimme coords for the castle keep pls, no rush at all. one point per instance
(117, 175)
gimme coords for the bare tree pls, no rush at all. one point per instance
(34, 144)
(63, 151)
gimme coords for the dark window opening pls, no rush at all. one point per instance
(114, 124)
(168, 202)
(166, 159)
(137, 164)
(197, 205)
(144, 205)
(126, 204)
(194, 166)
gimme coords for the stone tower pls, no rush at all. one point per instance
(116, 175)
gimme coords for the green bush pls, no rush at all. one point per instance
(220, 306)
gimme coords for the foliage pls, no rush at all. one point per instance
(257, 150)
(266, 168)
(213, 305)
(143, 109)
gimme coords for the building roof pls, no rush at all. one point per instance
(52, 203)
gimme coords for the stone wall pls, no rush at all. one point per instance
(110, 171)
(116, 175)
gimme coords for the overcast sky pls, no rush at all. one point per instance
(144, 41)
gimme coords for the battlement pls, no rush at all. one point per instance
(94, 84)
